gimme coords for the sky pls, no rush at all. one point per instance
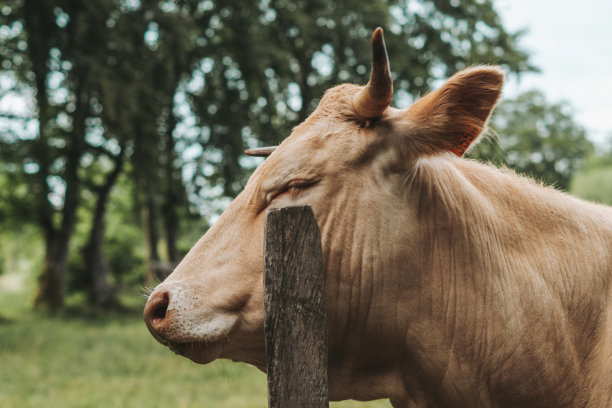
(570, 41)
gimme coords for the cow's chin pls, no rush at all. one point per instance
(198, 351)
(201, 342)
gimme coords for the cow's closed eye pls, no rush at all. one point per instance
(293, 189)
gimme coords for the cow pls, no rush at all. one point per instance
(449, 283)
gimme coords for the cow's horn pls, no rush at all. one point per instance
(260, 151)
(372, 100)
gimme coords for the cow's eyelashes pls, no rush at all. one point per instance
(293, 189)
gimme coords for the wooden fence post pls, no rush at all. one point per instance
(294, 306)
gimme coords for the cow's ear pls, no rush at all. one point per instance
(452, 118)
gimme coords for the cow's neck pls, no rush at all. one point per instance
(446, 338)
(496, 268)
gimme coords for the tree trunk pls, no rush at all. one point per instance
(171, 223)
(154, 269)
(51, 286)
(101, 291)
(172, 195)
(52, 281)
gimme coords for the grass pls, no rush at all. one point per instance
(50, 362)
(112, 361)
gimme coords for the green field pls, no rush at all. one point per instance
(92, 360)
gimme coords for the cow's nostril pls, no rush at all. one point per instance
(156, 310)
(159, 312)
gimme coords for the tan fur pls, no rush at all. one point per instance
(449, 283)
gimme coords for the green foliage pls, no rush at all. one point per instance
(594, 180)
(21, 251)
(270, 62)
(593, 185)
(536, 138)
(177, 90)
(124, 245)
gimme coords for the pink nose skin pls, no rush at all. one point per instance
(155, 313)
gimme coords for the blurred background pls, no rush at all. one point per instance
(122, 130)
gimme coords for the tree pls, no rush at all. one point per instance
(537, 138)
(168, 56)
(65, 53)
(174, 91)
(43, 36)
(268, 63)
(594, 179)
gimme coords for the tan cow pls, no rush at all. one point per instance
(449, 283)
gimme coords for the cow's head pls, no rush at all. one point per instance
(353, 160)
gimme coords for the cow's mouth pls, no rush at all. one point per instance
(201, 352)
(200, 347)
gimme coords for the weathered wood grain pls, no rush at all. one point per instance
(294, 304)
